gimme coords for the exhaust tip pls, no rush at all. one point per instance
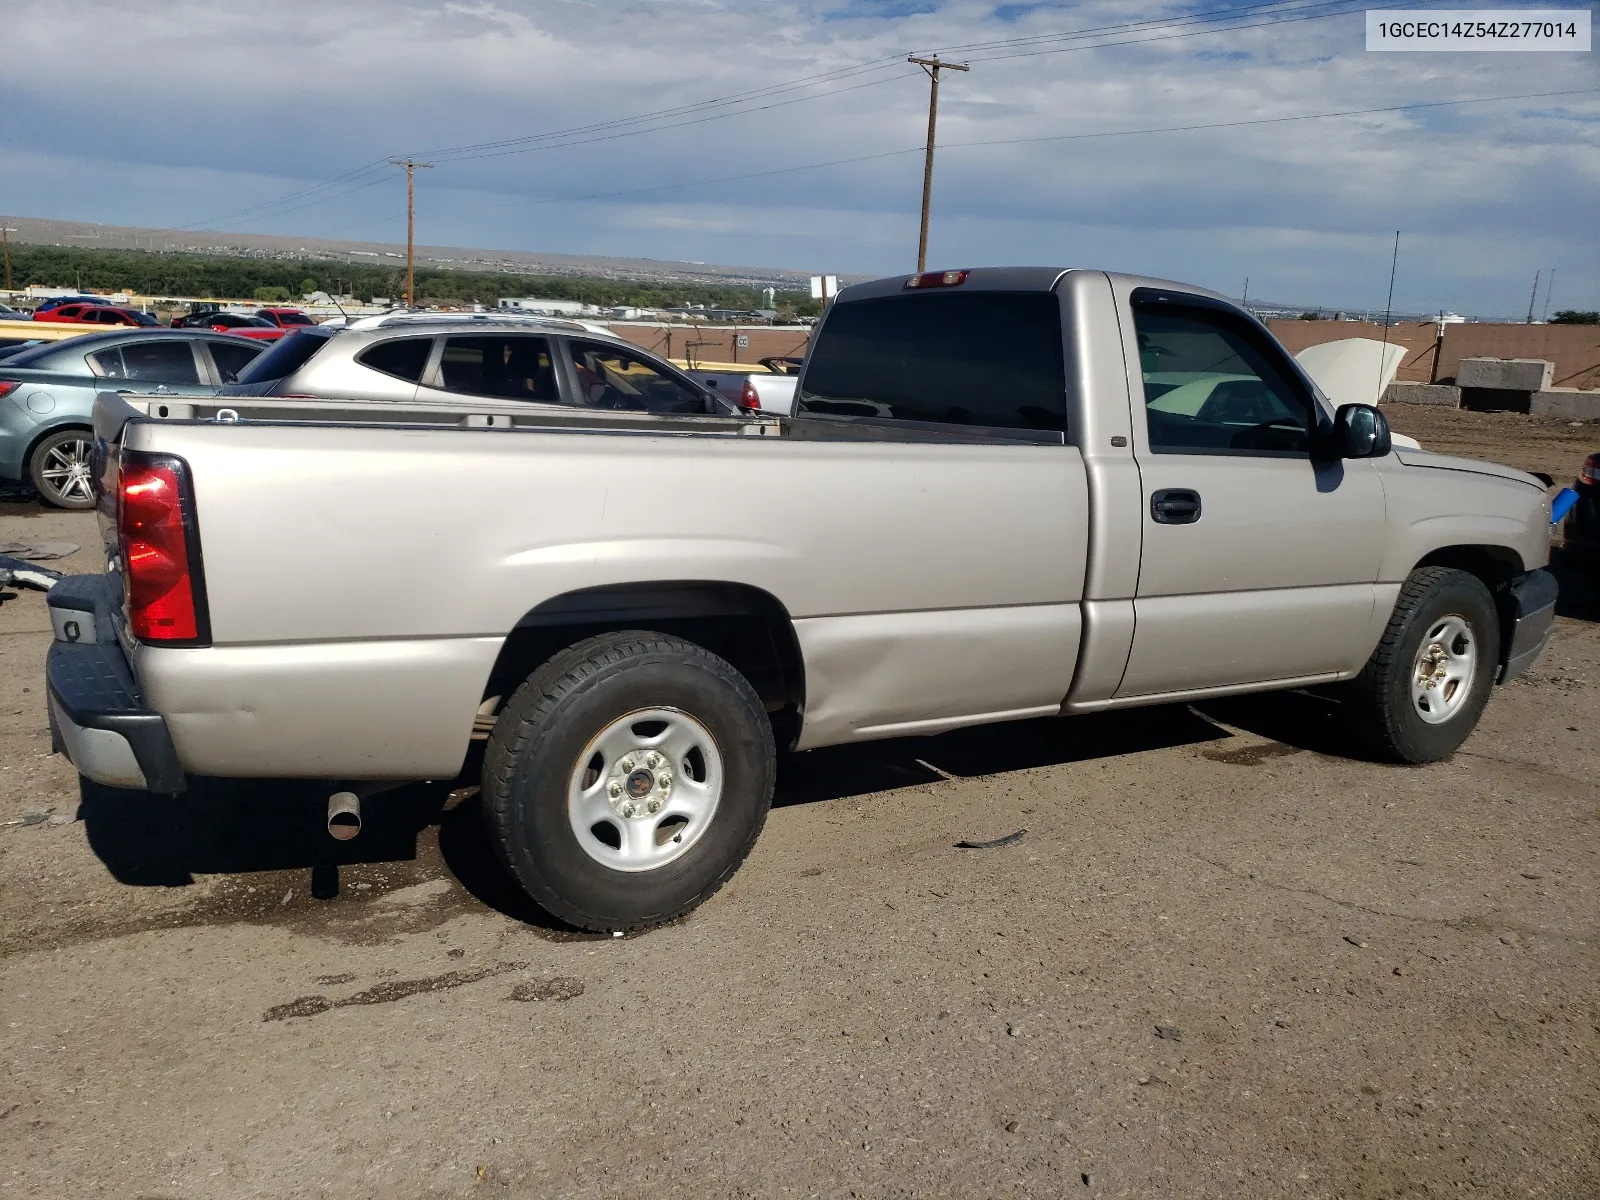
(344, 815)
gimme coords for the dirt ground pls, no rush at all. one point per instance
(1226, 959)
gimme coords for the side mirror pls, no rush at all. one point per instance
(1360, 431)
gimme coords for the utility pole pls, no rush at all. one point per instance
(1543, 316)
(411, 221)
(5, 240)
(1532, 297)
(932, 66)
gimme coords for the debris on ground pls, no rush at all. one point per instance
(19, 572)
(1355, 941)
(40, 550)
(558, 987)
(1168, 1033)
(1009, 839)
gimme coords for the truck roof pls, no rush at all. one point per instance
(1010, 279)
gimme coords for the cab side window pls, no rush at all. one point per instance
(507, 366)
(609, 377)
(1213, 385)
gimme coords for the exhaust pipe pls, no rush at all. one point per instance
(344, 815)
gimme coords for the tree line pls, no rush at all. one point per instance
(170, 273)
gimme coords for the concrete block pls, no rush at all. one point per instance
(1505, 374)
(1423, 393)
(1569, 404)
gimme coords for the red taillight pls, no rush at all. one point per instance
(160, 557)
(934, 279)
(7, 386)
(1588, 473)
(749, 398)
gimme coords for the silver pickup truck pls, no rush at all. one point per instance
(1005, 493)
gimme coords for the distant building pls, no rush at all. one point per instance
(535, 306)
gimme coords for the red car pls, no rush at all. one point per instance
(95, 314)
(241, 324)
(285, 318)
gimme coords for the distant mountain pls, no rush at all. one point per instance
(42, 231)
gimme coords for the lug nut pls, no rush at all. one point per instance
(654, 760)
(664, 780)
(615, 789)
(655, 806)
(627, 810)
(627, 763)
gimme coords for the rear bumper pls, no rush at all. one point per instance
(98, 716)
(1532, 621)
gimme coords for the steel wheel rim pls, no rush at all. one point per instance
(65, 470)
(1442, 672)
(645, 789)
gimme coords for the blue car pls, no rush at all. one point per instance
(47, 396)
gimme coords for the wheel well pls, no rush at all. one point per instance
(748, 627)
(65, 426)
(1496, 566)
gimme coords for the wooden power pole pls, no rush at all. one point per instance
(932, 66)
(5, 240)
(411, 224)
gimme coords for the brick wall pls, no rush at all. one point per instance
(715, 343)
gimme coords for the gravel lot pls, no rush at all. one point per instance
(1224, 960)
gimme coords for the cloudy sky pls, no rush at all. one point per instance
(592, 126)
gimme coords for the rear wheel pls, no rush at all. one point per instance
(59, 468)
(1427, 683)
(627, 779)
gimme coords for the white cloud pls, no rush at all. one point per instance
(212, 108)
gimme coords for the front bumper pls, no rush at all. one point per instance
(97, 715)
(1531, 621)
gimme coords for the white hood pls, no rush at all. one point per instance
(1352, 371)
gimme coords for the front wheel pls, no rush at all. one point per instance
(59, 469)
(627, 779)
(1427, 683)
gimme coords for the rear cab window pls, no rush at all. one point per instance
(986, 359)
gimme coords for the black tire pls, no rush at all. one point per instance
(544, 730)
(1380, 701)
(57, 452)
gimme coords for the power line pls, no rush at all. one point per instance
(1109, 133)
(651, 122)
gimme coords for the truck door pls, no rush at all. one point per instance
(1258, 561)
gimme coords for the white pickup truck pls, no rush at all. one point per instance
(1006, 493)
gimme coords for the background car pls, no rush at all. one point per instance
(58, 301)
(47, 396)
(96, 314)
(285, 318)
(1581, 530)
(242, 324)
(438, 359)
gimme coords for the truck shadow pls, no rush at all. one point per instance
(232, 827)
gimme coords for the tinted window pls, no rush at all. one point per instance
(144, 318)
(159, 362)
(609, 377)
(508, 366)
(291, 353)
(403, 358)
(1213, 384)
(964, 358)
(231, 358)
(294, 319)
